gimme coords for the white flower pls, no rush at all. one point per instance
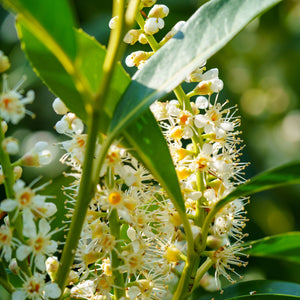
(7, 242)
(39, 243)
(35, 288)
(12, 103)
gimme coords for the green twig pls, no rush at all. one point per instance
(114, 227)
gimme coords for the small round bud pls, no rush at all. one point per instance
(18, 172)
(10, 145)
(147, 3)
(73, 277)
(201, 102)
(52, 265)
(214, 242)
(142, 39)
(136, 58)
(172, 254)
(4, 126)
(13, 266)
(132, 36)
(113, 22)
(4, 62)
(158, 11)
(2, 177)
(59, 107)
(38, 156)
(152, 25)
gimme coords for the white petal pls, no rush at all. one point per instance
(23, 251)
(40, 262)
(18, 295)
(44, 227)
(29, 228)
(52, 290)
(8, 205)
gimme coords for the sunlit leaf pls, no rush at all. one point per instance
(206, 32)
(283, 246)
(52, 22)
(144, 135)
(89, 62)
(256, 289)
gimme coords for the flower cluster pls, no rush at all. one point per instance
(204, 142)
(126, 197)
(25, 228)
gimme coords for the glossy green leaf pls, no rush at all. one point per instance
(206, 32)
(89, 62)
(144, 135)
(256, 289)
(51, 21)
(281, 176)
(283, 246)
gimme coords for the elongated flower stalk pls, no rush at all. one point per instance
(204, 142)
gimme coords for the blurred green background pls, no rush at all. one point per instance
(261, 73)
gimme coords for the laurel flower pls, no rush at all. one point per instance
(12, 102)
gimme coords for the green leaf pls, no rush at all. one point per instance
(283, 246)
(52, 22)
(89, 61)
(206, 32)
(256, 289)
(150, 147)
(281, 176)
(144, 135)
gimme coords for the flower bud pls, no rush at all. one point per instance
(52, 266)
(4, 62)
(18, 172)
(152, 25)
(142, 39)
(177, 27)
(10, 145)
(38, 156)
(132, 36)
(137, 58)
(59, 107)
(147, 3)
(158, 11)
(2, 177)
(4, 126)
(172, 254)
(113, 22)
(13, 266)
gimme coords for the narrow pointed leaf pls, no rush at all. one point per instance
(256, 289)
(89, 61)
(52, 22)
(283, 246)
(144, 135)
(281, 176)
(206, 32)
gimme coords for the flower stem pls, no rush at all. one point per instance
(201, 271)
(88, 184)
(114, 226)
(4, 281)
